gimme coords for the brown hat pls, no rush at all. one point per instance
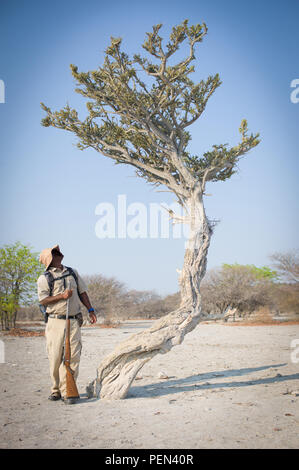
(46, 255)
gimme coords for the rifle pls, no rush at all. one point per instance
(71, 387)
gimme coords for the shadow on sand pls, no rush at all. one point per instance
(194, 382)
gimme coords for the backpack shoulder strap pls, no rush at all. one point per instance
(50, 280)
(72, 273)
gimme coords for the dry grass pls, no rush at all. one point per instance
(20, 332)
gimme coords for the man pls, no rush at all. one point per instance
(63, 290)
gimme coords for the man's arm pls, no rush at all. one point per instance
(82, 291)
(86, 302)
(55, 298)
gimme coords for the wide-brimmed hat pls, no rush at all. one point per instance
(46, 255)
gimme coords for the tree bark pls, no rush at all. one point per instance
(117, 371)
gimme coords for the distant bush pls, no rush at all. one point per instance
(286, 297)
(244, 288)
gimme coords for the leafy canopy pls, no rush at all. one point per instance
(263, 273)
(19, 270)
(145, 123)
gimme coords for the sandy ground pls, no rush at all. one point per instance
(227, 387)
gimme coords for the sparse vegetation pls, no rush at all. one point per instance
(248, 289)
(19, 269)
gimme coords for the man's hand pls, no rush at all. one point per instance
(92, 317)
(56, 298)
(86, 302)
(67, 294)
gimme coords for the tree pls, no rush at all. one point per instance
(19, 270)
(105, 294)
(287, 265)
(143, 122)
(258, 273)
(236, 288)
(287, 291)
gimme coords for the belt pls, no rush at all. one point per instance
(63, 317)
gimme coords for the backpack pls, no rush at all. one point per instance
(51, 279)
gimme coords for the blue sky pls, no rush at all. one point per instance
(50, 189)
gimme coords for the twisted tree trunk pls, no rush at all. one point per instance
(117, 371)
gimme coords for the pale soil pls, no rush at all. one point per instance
(227, 387)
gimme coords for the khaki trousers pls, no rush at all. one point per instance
(55, 344)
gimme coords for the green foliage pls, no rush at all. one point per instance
(259, 273)
(139, 109)
(19, 269)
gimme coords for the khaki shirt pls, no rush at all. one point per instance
(60, 307)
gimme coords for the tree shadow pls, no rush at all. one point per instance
(193, 383)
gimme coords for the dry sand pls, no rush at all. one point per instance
(227, 387)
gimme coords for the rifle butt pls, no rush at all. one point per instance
(71, 387)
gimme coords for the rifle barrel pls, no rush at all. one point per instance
(71, 387)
